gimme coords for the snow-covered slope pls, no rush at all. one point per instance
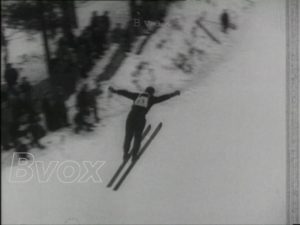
(219, 158)
(182, 54)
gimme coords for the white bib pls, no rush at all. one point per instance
(142, 101)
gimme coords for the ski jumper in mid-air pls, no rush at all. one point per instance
(136, 120)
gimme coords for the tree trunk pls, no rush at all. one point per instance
(68, 18)
(4, 43)
(44, 36)
(73, 14)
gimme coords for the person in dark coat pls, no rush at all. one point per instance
(97, 33)
(128, 39)
(11, 76)
(25, 87)
(82, 100)
(81, 123)
(83, 107)
(117, 34)
(49, 110)
(225, 21)
(6, 122)
(94, 94)
(22, 148)
(105, 22)
(22, 141)
(21, 106)
(94, 22)
(136, 120)
(36, 131)
(61, 108)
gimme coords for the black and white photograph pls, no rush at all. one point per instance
(141, 112)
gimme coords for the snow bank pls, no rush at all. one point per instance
(181, 52)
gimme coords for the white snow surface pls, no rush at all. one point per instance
(220, 156)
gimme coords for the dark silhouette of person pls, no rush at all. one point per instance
(225, 21)
(94, 93)
(61, 108)
(50, 112)
(100, 26)
(105, 21)
(6, 122)
(22, 148)
(81, 123)
(128, 38)
(36, 131)
(142, 102)
(94, 22)
(117, 34)
(11, 76)
(83, 107)
(82, 99)
(25, 87)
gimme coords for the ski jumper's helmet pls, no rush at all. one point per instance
(150, 90)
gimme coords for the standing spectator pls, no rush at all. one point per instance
(21, 106)
(4, 93)
(97, 33)
(94, 93)
(25, 87)
(105, 23)
(83, 60)
(117, 34)
(81, 123)
(22, 148)
(128, 38)
(83, 107)
(6, 122)
(61, 109)
(48, 108)
(82, 101)
(86, 40)
(68, 70)
(36, 131)
(21, 140)
(15, 112)
(11, 76)
(225, 21)
(94, 22)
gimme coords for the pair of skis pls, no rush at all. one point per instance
(132, 164)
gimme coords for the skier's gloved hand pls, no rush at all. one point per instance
(111, 89)
(177, 92)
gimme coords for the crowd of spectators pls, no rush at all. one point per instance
(26, 118)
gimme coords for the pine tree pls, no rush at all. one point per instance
(40, 16)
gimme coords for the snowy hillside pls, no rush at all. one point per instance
(210, 164)
(181, 54)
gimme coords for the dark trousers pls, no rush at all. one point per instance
(134, 130)
(94, 109)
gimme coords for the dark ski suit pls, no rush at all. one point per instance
(142, 102)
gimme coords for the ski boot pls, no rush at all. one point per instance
(134, 157)
(126, 156)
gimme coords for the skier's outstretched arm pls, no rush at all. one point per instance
(125, 93)
(162, 98)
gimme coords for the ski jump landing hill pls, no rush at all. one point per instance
(219, 157)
